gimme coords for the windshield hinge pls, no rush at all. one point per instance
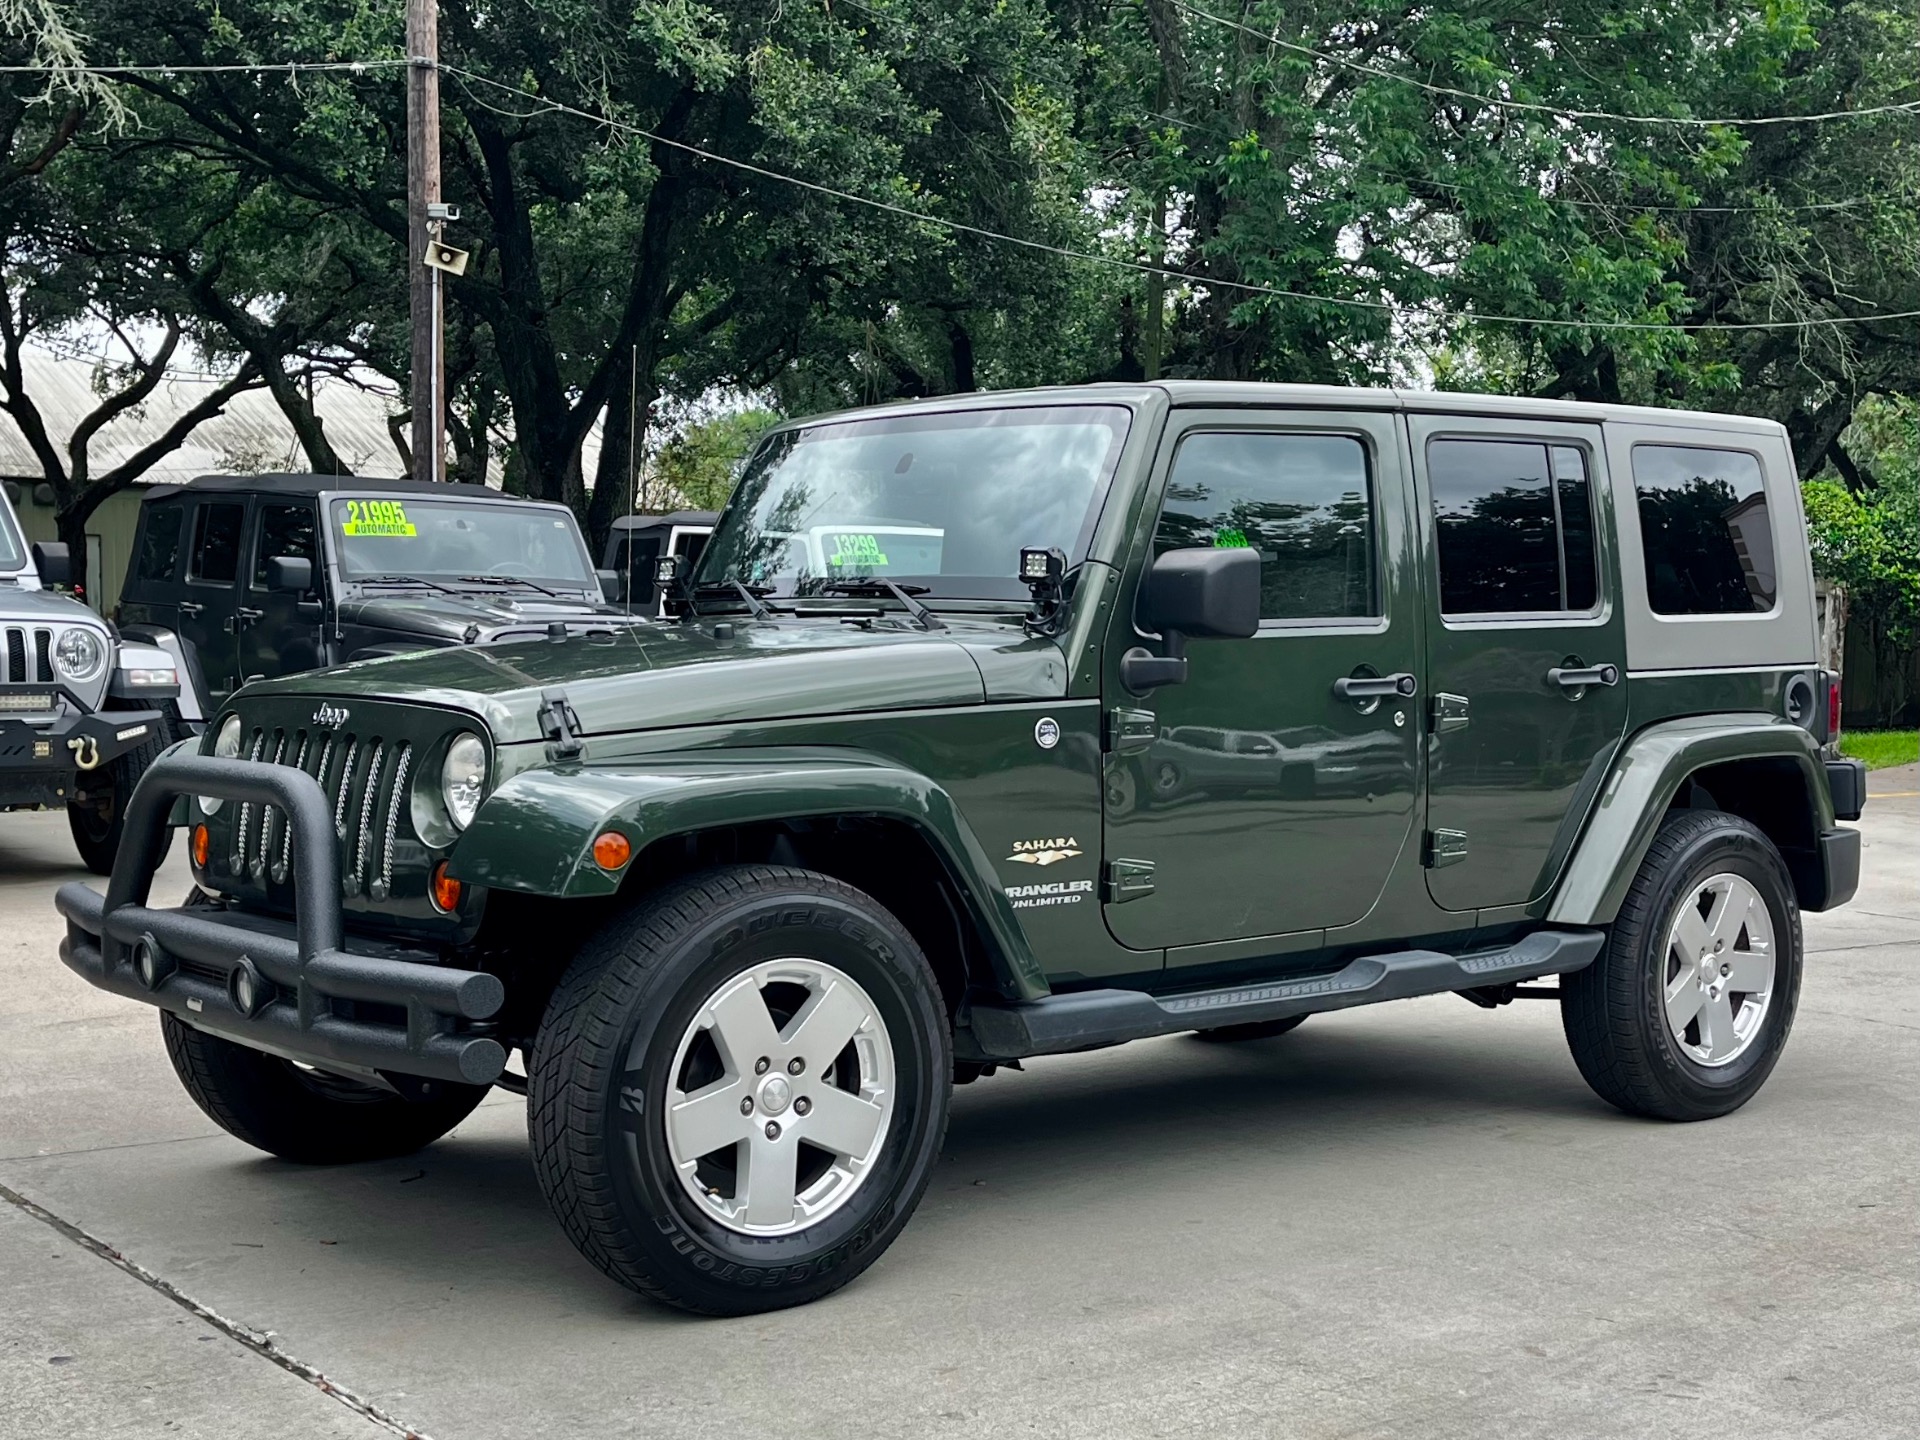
(560, 725)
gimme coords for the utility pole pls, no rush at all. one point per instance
(427, 389)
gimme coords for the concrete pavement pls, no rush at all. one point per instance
(1410, 1221)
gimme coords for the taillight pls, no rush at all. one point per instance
(1833, 707)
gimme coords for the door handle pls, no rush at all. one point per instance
(1375, 687)
(191, 608)
(1579, 677)
(246, 616)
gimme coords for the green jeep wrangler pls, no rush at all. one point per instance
(1012, 725)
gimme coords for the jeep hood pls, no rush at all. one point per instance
(432, 615)
(652, 677)
(44, 607)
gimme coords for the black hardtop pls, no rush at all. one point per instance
(306, 485)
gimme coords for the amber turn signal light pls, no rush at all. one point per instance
(611, 849)
(199, 845)
(444, 890)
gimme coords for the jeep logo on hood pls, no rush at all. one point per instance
(330, 717)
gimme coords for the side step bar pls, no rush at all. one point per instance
(1084, 1019)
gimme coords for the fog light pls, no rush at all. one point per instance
(611, 849)
(444, 890)
(248, 989)
(199, 846)
(152, 964)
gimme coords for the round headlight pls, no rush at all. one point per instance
(226, 746)
(463, 776)
(78, 654)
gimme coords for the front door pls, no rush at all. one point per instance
(1252, 799)
(210, 597)
(280, 633)
(1526, 650)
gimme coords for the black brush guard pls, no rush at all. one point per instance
(294, 1014)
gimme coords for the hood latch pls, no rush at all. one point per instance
(561, 725)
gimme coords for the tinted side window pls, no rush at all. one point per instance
(284, 530)
(216, 542)
(1705, 530)
(160, 542)
(1302, 501)
(1513, 520)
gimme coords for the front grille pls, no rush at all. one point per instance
(29, 655)
(365, 780)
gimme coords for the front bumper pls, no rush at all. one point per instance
(39, 759)
(292, 990)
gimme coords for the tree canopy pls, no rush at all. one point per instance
(839, 201)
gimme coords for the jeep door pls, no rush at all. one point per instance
(1526, 649)
(1251, 800)
(210, 595)
(280, 633)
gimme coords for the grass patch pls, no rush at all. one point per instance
(1881, 748)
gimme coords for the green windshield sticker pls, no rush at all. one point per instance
(1230, 538)
(386, 518)
(856, 552)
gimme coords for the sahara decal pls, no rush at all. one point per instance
(1045, 852)
(1046, 732)
(1052, 892)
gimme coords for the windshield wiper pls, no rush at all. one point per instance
(880, 585)
(722, 589)
(506, 580)
(404, 580)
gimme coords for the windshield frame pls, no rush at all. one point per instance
(1120, 416)
(13, 538)
(336, 559)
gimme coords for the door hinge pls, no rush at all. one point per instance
(1130, 730)
(1441, 848)
(1448, 714)
(1127, 880)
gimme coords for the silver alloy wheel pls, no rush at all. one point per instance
(780, 1096)
(1718, 975)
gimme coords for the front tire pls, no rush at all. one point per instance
(307, 1116)
(738, 1093)
(98, 822)
(1686, 1011)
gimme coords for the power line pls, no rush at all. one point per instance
(1563, 199)
(544, 105)
(285, 67)
(1904, 107)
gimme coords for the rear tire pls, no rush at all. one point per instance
(1258, 1030)
(696, 1140)
(307, 1116)
(98, 822)
(1683, 1016)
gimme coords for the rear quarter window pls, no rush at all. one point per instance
(1705, 530)
(160, 542)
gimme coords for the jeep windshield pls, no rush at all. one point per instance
(458, 543)
(942, 501)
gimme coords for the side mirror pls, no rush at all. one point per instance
(1193, 594)
(613, 585)
(50, 558)
(289, 574)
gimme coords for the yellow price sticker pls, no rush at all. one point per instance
(381, 518)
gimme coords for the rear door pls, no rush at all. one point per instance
(210, 597)
(1526, 649)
